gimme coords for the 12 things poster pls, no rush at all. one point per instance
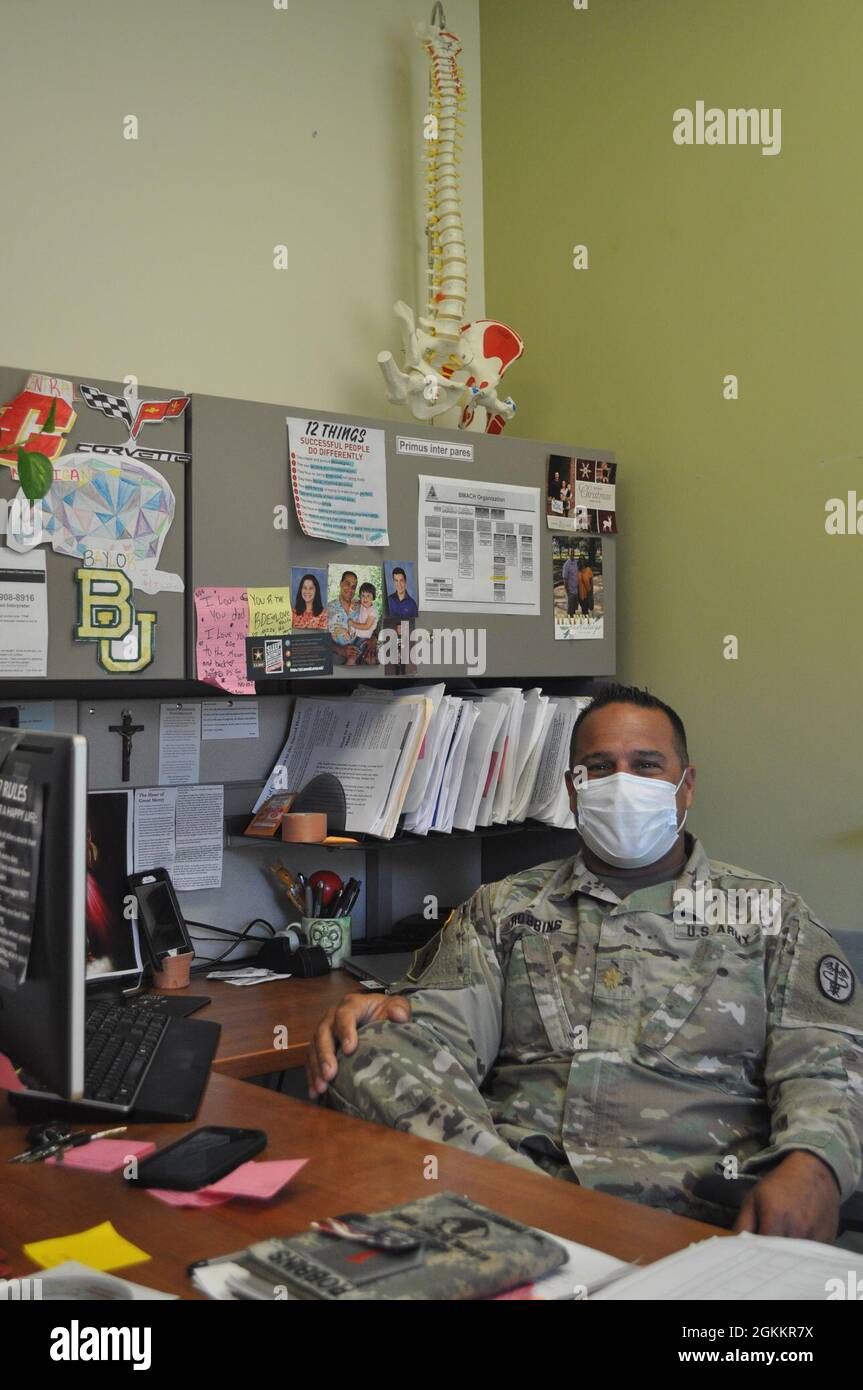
(339, 480)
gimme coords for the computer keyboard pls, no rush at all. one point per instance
(142, 1060)
(120, 1041)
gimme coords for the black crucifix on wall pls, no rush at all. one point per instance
(127, 731)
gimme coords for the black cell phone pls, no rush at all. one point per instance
(200, 1158)
(163, 927)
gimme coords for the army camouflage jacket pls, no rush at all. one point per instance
(558, 1027)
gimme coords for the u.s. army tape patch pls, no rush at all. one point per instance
(835, 979)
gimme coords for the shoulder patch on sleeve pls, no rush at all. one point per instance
(835, 979)
(440, 964)
(821, 988)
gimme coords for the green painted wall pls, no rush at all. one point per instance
(705, 261)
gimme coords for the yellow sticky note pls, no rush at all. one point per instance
(269, 612)
(101, 1248)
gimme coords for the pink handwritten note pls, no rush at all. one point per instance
(223, 625)
(103, 1155)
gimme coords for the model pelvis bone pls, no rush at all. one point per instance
(442, 373)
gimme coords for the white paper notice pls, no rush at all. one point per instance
(200, 838)
(36, 715)
(154, 828)
(23, 614)
(478, 546)
(339, 480)
(179, 744)
(229, 719)
(434, 448)
(363, 772)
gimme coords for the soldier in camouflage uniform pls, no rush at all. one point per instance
(563, 1021)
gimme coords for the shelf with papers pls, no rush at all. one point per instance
(235, 839)
(503, 849)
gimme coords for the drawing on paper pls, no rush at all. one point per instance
(108, 507)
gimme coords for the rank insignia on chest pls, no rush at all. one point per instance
(612, 977)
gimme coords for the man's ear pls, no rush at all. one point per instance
(570, 789)
(572, 786)
(688, 788)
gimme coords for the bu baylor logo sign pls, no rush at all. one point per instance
(107, 616)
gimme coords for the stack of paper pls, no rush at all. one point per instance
(422, 770)
(371, 745)
(75, 1282)
(534, 728)
(509, 699)
(440, 762)
(419, 822)
(743, 1268)
(453, 777)
(480, 763)
(550, 799)
(431, 763)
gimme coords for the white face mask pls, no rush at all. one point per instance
(628, 821)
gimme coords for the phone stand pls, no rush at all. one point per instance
(175, 971)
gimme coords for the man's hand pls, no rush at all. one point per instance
(339, 1027)
(799, 1197)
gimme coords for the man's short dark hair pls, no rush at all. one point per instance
(614, 694)
(398, 570)
(345, 575)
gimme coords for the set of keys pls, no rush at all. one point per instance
(55, 1137)
(395, 1240)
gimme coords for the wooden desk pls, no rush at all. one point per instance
(353, 1165)
(251, 1015)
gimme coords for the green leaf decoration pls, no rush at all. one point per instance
(50, 424)
(36, 473)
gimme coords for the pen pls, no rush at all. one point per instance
(76, 1141)
(345, 907)
(341, 896)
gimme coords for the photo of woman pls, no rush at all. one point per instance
(308, 608)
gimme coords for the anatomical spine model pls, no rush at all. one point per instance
(447, 362)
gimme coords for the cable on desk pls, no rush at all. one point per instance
(226, 931)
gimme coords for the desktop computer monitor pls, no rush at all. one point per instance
(43, 942)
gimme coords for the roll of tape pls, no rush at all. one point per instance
(304, 827)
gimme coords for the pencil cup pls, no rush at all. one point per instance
(332, 933)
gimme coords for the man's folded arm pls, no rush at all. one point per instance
(424, 1076)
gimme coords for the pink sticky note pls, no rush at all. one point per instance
(220, 649)
(8, 1076)
(258, 1180)
(204, 1198)
(103, 1155)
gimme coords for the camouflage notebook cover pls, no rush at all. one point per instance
(441, 1247)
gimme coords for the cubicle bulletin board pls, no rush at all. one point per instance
(224, 533)
(241, 476)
